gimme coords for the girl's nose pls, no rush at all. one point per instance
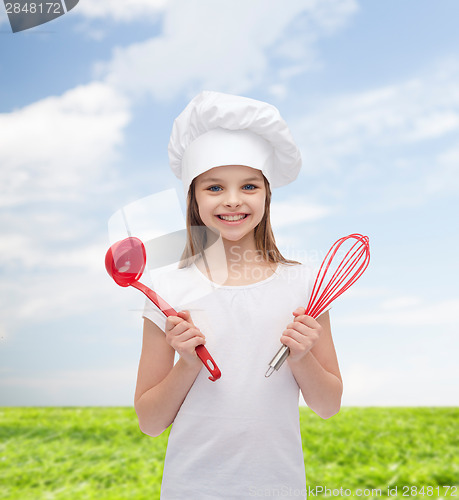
(232, 199)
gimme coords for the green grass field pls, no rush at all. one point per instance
(100, 453)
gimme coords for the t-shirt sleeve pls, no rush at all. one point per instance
(151, 312)
(175, 287)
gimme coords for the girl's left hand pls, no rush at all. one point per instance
(301, 335)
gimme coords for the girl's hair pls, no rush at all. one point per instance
(197, 240)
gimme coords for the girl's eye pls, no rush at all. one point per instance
(250, 186)
(211, 188)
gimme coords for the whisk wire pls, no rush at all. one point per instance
(343, 270)
(349, 270)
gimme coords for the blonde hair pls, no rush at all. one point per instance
(198, 240)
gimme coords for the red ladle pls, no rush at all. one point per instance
(125, 262)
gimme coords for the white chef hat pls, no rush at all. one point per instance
(218, 129)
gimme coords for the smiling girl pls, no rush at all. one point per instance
(238, 437)
(219, 196)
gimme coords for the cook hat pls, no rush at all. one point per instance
(218, 129)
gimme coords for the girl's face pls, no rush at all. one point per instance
(231, 199)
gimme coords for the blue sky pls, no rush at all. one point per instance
(370, 91)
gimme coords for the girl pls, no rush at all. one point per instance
(238, 437)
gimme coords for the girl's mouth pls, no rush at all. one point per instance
(233, 219)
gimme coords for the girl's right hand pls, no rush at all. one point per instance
(184, 337)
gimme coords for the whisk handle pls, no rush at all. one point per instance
(278, 360)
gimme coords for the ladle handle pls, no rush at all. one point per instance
(209, 363)
(167, 310)
(161, 304)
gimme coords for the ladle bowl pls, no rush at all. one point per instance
(125, 262)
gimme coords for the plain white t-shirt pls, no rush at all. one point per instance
(238, 437)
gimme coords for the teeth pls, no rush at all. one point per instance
(232, 217)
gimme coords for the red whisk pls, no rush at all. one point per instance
(348, 271)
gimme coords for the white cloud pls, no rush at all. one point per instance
(3, 16)
(434, 124)
(54, 153)
(400, 302)
(224, 46)
(397, 143)
(40, 295)
(414, 110)
(407, 311)
(67, 379)
(97, 387)
(295, 211)
(53, 148)
(443, 178)
(397, 349)
(419, 380)
(120, 10)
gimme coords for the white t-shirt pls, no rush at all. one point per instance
(238, 437)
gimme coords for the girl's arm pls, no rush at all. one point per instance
(161, 385)
(314, 363)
